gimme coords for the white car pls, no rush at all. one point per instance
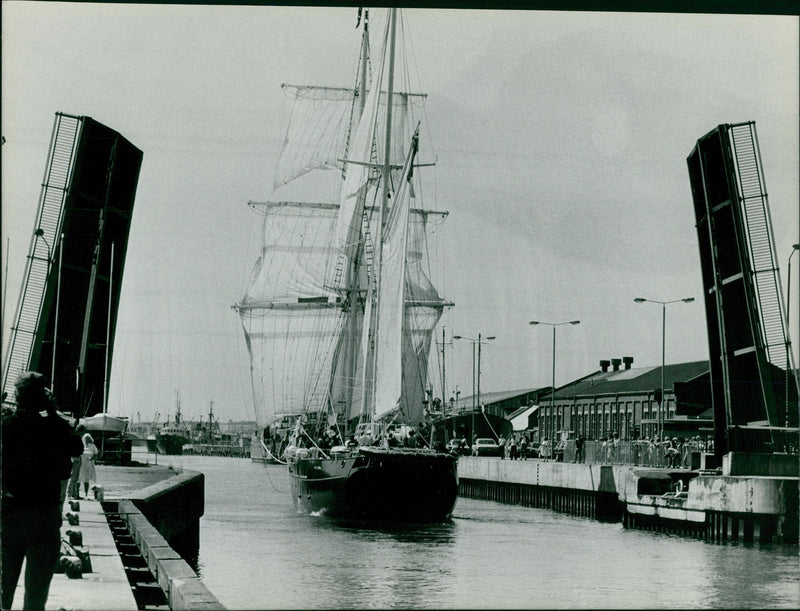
(484, 446)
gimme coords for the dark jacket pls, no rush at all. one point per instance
(36, 456)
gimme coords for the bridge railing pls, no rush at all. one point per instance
(685, 456)
(640, 453)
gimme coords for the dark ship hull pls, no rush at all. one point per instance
(171, 444)
(376, 484)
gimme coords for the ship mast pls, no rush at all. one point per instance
(364, 57)
(353, 283)
(387, 181)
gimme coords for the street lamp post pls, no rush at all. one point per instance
(475, 342)
(664, 304)
(39, 233)
(795, 248)
(553, 387)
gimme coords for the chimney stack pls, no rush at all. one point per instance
(604, 365)
(628, 360)
(616, 363)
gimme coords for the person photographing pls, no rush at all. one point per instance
(37, 446)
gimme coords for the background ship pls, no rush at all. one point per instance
(173, 435)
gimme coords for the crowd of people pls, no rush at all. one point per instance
(331, 438)
(650, 451)
(514, 447)
(670, 452)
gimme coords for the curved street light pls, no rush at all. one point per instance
(663, 343)
(553, 387)
(475, 342)
(795, 248)
(39, 233)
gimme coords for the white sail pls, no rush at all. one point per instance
(316, 137)
(423, 310)
(306, 312)
(290, 319)
(316, 133)
(391, 301)
(359, 170)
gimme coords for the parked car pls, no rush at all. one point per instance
(484, 446)
(457, 446)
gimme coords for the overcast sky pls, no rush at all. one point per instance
(561, 142)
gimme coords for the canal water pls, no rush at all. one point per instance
(257, 553)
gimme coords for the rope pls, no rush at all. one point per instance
(269, 476)
(270, 454)
(483, 413)
(314, 443)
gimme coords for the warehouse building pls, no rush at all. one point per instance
(625, 400)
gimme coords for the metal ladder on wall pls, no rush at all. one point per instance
(755, 208)
(43, 251)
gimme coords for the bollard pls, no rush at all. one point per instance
(75, 505)
(99, 493)
(75, 537)
(73, 518)
(70, 550)
(59, 564)
(72, 566)
(82, 553)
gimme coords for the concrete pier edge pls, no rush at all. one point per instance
(183, 588)
(745, 507)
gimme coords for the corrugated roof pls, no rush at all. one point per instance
(633, 380)
(636, 379)
(488, 398)
(522, 410)
(519, 419)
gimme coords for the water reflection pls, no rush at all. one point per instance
(256, 552)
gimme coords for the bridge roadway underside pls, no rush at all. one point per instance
(714, 507)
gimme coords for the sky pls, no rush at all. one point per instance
(561, 141)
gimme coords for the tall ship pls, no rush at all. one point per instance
(340, 311)
(172, 436)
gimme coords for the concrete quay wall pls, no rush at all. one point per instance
(181, 585)
(174, 506)
(591, 478)
(708, 506)
(163, 519)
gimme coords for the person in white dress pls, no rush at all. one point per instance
(88, 472)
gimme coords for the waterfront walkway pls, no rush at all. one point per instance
(107, 585)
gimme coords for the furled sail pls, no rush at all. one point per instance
(351, 202)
